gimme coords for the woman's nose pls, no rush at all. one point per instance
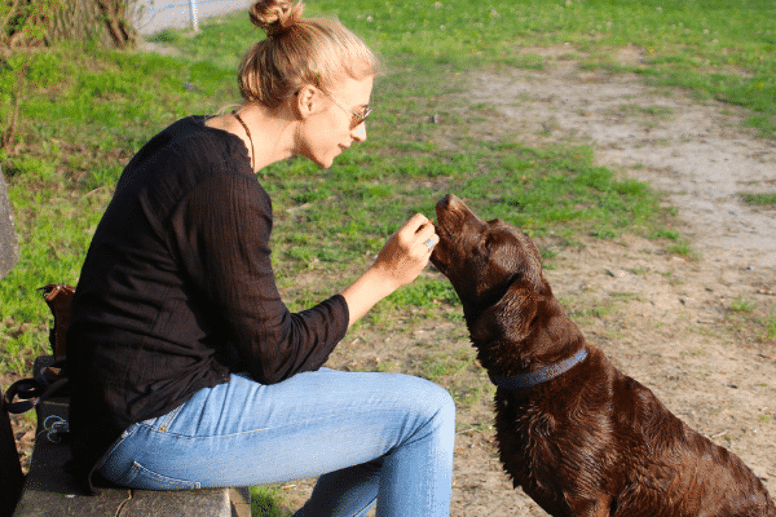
(359, 132)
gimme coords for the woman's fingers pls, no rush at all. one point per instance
(418, 232)
(408, 250)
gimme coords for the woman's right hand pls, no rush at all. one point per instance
(407, 252)
(401, 260)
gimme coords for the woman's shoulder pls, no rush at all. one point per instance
(202, 149)
(179, 138)
(188, 155)
(192, 130)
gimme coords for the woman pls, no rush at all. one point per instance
(188, 370)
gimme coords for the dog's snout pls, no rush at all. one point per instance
(450, 207)
(450, 202)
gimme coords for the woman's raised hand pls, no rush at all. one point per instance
(407, 251)
(401, 260)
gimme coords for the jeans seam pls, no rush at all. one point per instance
(210, 436)
(128, 432)
(366, 508)
(266, 429)
(137, 469)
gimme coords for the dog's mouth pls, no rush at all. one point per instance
(439, 256)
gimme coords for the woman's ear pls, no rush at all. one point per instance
(306, 101)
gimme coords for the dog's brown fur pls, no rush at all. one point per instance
(592, 441)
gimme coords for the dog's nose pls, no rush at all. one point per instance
(450, 202)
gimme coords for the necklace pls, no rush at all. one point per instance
(247, 132)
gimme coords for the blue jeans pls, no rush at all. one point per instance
(371, 437)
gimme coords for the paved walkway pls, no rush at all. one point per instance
(156, 15)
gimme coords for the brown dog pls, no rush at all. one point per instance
(581, 438)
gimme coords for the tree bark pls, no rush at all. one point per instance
(114, 13)
(36, 22)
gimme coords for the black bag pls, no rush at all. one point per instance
(11, 477)
(52, 378)
(48, 381)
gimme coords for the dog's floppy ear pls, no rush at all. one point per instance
(510, 318)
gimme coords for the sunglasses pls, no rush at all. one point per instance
(356, 118)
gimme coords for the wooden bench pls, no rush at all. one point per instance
(50, 492)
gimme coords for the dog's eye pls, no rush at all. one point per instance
(489, 243)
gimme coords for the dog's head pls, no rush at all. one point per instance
(494, 267)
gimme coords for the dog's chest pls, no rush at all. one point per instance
(522, 431)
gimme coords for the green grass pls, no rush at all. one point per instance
(767, 200)
(265, 501)
(741, 304)
(84, 112)
(770, 324)
(751, 321)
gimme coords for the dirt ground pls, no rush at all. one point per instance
(665, 320)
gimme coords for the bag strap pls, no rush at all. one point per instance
(47, 382)
(52, 379)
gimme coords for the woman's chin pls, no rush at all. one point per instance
(326, 161)
(324, 164)
(322, 160)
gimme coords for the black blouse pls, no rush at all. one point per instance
(177, 290)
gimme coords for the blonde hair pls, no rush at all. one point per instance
(299, 51)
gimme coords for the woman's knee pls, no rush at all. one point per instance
(431, 401)
(443, 401)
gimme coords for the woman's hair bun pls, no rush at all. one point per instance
(275, 16)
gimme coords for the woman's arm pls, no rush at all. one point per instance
(401, 260)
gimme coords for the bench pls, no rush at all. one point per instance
(50, 492)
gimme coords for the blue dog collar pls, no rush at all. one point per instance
(528, 380)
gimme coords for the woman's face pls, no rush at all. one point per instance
(331, 127)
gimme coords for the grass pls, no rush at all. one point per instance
(84, 114)
(718, 48)
(85, 111)
(764, 200)
(752, 321)
(265, 501)
(741, 304)
(770, 324)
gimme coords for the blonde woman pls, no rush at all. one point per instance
(188, 369)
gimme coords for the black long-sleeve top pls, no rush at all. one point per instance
(178, 290)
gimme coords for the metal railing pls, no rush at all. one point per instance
(193, 9)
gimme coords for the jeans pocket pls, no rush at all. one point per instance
(138, 476)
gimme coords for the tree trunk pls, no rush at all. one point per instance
(35, 22)
(115, 16)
